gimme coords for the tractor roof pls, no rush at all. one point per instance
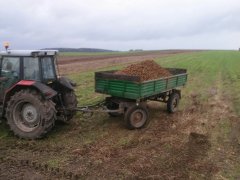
(29, 53)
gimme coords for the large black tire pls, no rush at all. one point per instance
(69, 102)
(172, 103)
(136, 117)
(29, 115)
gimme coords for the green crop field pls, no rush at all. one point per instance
(201, 141)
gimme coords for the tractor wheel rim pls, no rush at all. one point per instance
(26, 117)
(29, 113)
(138, 118)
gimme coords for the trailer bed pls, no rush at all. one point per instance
(130, 87)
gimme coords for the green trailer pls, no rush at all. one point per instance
(128, 96)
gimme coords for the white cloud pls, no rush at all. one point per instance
(121, 24)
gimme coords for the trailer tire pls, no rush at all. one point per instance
(173, 102)
(136, 117)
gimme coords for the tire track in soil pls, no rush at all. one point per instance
(201, 153)
(11, 168)
(17, 161)
(227, 150)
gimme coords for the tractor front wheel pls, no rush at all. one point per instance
(29, 115)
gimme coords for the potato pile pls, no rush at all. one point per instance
(146, 70)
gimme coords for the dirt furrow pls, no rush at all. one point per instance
(69, 65)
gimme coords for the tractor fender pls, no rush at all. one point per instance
(46, 91)
(67, 83)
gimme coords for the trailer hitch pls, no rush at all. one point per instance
(99, 107)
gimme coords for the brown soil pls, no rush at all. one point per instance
(145, 70)
(75, 64)
(171, 147)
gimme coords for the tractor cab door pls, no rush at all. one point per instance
(31, 68)
(9, 73)
(48, 69)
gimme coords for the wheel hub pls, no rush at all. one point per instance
(29, 113)
(26, 116)
(138, 118)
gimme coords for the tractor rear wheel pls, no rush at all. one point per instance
(29, 115)
(70, 102)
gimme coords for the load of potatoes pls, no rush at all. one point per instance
(145, 70)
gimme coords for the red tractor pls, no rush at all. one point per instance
(32, 95)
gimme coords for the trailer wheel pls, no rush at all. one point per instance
(172, 103)
(113, 106)
(136, 117)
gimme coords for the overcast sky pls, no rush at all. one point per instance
(121, 24)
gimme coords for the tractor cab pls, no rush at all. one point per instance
(37, 66)
(32, 94)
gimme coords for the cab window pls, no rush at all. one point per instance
(9, 73)
(10, 65)
(48, 68)
(31, 68)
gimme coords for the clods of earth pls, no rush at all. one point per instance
(145, 70)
